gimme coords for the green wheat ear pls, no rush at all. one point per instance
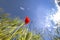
(8, 25)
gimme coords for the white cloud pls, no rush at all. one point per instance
(54, 27)
(50, 30)
(56, 16)
(49, 18)
(53, 16)
(22, 8)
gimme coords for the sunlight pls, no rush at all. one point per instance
(56, 16)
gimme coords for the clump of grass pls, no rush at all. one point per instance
(7, 27)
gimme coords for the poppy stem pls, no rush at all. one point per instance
(13, 33)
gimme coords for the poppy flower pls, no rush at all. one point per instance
(27, 20)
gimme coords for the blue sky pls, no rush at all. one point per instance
(37, 10)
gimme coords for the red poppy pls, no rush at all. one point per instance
(27, 20)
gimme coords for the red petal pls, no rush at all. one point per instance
(27, 20)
